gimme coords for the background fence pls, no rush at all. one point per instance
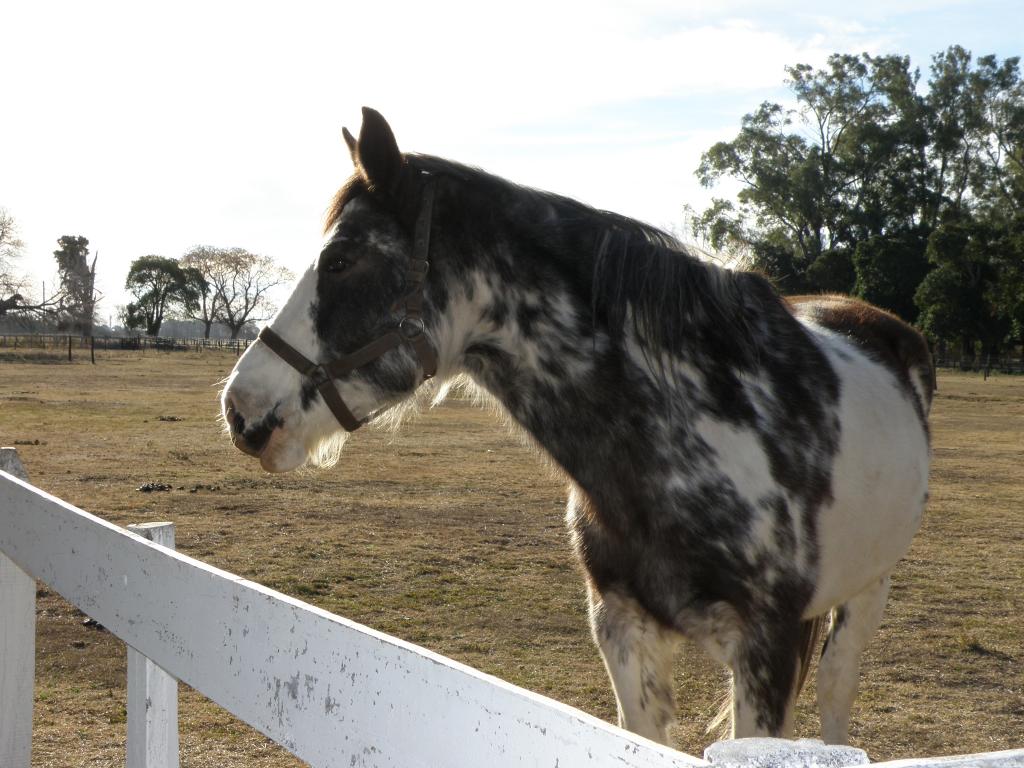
(1009, 363)
(332, 692)
(55, 346)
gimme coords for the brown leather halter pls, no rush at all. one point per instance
(409, 330)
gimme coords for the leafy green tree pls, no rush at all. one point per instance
(832, 271)
(954, 122)
(768, 160)
(1000, 181)
(774, 256)
(158, 284)
(820, 177)
(908, 197)
(131, 317)
(863, 115)
(1007, 293)
(889, 269)
(958, 298)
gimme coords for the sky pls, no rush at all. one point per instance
(153, 128)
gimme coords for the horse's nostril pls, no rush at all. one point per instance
(259, 435)
(233, 417)
(250, 436)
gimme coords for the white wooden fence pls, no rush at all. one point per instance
(330, 691)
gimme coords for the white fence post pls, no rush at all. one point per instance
(782, 753)
(17, 647)
(152, 693)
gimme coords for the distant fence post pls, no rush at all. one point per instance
(17, 647)
(152, 693)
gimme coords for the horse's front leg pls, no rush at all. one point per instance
(638, 653)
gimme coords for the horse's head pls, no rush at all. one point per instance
(354, 337)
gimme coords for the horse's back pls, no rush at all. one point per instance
(880, 334)
(880, 473)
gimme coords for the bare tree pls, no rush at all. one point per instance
(241, 282)
(15, 296)
(11, 285)
(199, 264)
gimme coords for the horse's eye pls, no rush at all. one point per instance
(337, 265)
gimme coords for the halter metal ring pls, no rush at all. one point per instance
(411, 327)
(319, 375)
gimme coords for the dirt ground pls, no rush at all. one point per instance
(450, 534)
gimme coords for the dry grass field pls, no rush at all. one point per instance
(449, 534)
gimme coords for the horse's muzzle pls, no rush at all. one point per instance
(249, 440)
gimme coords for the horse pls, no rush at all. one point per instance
(742, 469)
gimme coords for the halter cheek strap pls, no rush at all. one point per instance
(409, 330)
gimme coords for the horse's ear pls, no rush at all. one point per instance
(353, 147)
(377, 152)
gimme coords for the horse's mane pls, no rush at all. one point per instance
(633, 273)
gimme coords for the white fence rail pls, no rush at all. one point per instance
(332, 692)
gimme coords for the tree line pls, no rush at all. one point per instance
(904, 193)
(211, 285)
(208, 284)
(907, 196)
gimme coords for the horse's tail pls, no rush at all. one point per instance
(810, 633)
(719, 723)
(920, 365)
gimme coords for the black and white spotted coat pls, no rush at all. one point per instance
(738, 466)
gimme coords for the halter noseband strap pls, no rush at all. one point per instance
(409, 330)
